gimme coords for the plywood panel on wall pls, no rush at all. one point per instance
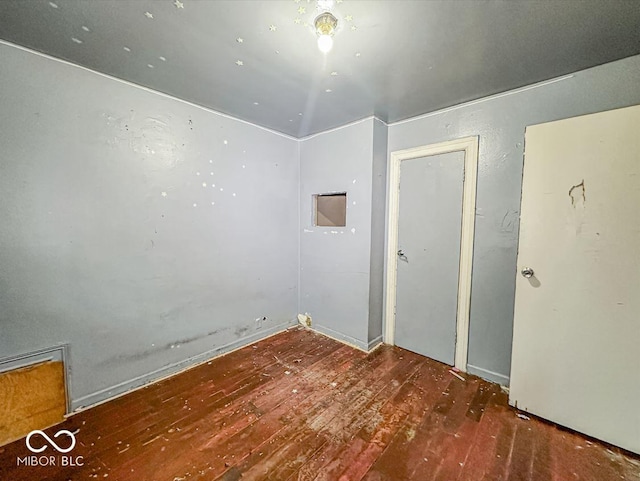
(31, 398)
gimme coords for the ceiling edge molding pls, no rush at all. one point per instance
(355, 122)
(146, 89)
(483, 99)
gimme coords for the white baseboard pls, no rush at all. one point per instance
(375, 342)
(343, 338)
(488, 375)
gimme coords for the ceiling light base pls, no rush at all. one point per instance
(325, 24)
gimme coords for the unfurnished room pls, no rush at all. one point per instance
(320, 240)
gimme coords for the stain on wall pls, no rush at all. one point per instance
(139, 229)
(577, 194)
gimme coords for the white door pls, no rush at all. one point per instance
(576, 340)
(429, 223)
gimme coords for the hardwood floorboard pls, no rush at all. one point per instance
(302, 407)
(363, 412)
(186, 407)
(341, 434)
(367, 444)
(325, 405)
(135, 413)
(541, 466)
(400, 456)
(490, 447)
(190, 431)
(521, 465)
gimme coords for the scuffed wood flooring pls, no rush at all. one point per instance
(300, 406)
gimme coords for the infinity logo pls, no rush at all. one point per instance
(51, 442)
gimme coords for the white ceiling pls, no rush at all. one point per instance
(393, 59)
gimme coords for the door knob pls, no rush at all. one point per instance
(400, 253)
(527, 272)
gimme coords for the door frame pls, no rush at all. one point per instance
(468, 145)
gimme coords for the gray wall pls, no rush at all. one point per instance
(140, 284)
(378, 231)
(92, 254)
(500, 122)
(335, 262)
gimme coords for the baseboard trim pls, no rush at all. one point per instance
(343, 338)
(375, 343)
(112, 392)
(488, 375)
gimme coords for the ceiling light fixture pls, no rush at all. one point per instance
(325, 24)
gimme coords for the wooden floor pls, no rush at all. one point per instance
(299, 406)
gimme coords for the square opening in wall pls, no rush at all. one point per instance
(330, 209)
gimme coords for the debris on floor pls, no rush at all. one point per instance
(304, 319)
(457, 375)
(352, 420)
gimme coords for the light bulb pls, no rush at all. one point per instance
(325, 42)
